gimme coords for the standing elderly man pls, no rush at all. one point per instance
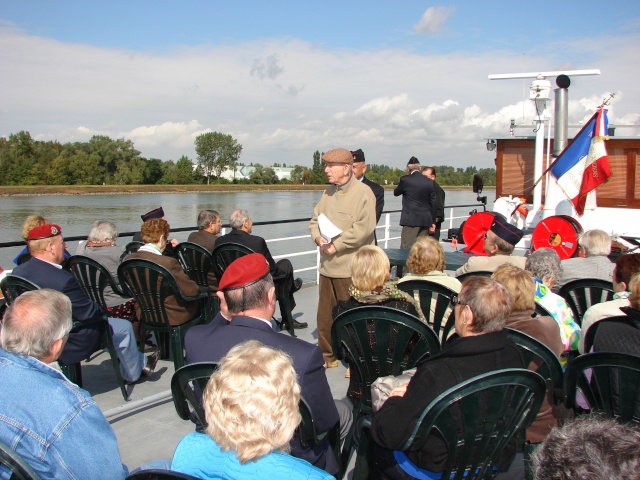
(419, 202)
(209, 225)
(47, 245)
(359, 169)
(350, 206)
(54, 425)
(430, 172)
(595, 246)
(499, 243)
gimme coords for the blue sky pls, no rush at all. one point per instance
(286, 78)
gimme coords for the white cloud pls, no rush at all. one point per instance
(433, 20)
(283, 99)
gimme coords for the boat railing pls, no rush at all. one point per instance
(388, 224)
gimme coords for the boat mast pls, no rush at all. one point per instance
(539, 93)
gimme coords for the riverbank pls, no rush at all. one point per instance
(34, 190)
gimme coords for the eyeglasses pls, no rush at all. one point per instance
(455, 300)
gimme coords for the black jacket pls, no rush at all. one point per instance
(418, 200)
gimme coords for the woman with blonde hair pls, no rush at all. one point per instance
(426, 262)
(522, 286)
(251, 407)
(371, 286)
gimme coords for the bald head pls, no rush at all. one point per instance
(34, 322)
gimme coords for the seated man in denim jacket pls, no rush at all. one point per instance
(54, 425)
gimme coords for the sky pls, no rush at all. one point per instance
(286, 78)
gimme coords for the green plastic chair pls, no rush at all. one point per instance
(590, 335)
(508, 401)
(132, 247)
(188, 383)
(432, 294)
(608, 382)
(149, 284)
(12, 286)
(20, 469)
(582, 294)
(479, 273)
(197, 263)
(225, 254)
(378, 341)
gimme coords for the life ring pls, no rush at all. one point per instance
(559, 233)
(474, 229)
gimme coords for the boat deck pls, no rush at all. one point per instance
(148, 427)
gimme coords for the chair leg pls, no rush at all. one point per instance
(107, 338)
(73, 373)
(348, 441)
(177, 350)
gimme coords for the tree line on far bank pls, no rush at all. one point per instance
(102, 160)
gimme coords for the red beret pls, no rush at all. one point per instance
(244, 271)
(157, 213)
(44, 231)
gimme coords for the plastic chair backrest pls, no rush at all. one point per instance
(434, 297)
(380, 341)
(132, 247)
(93, 278)
(540, 310)
(149, 284)
(20, 469)
(226, 253)
(540, 359)
(196, 261)
(187, 385)
(590, 334)
(490, 409)
(583, 293)
(609, 383)
(160, 475)
(479, 273)
(13, 286)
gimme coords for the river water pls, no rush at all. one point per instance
(75, 214)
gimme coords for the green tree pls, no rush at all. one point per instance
(317, 170)
(184, 171)
(263, 176)
(216, 151)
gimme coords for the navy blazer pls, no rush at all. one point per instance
(83, 341)
(211, 342)
(418, 200)
(254, 242)
(378, 191)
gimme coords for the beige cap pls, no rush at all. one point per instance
(338, 155)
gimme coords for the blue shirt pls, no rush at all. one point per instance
(198, 455)
(54, 425)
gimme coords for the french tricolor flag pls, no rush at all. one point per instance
(583, 165)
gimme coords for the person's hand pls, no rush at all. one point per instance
(328, 249)
(320, 241)
(432, 228)
(224, 309)
(399, 391)
(173, 242)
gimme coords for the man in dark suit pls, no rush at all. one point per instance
(418, 204)
(209, 225)
(47, 245)
(359, 169)
(247, 293)
(430, 172)
(241, 227)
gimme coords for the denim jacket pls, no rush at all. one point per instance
(54, 425)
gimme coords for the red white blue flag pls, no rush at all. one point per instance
(583, 165)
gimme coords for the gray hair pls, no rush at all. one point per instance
(237, 218)
(249, 297)
(103, 230)
(205, 217)
(490, 303)
(596, 242)
(545, 263)
(34, 321)
(589, 447)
